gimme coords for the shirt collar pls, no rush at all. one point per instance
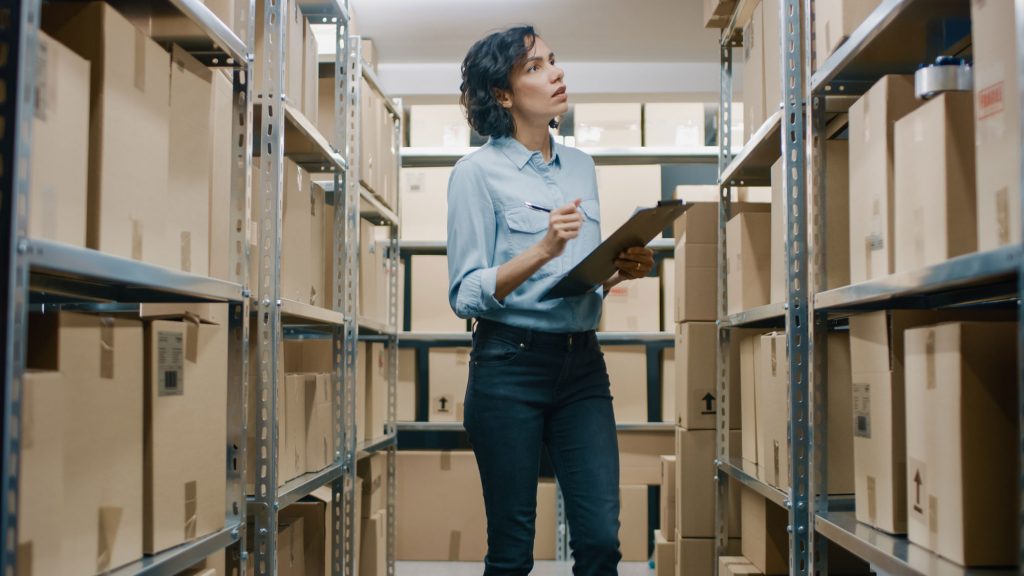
(519, 155)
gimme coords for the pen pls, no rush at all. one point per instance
(536, 207)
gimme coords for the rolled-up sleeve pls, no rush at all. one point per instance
(472, 234)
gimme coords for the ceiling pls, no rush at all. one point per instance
(416, 31)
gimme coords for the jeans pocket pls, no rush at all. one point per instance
(495, 351)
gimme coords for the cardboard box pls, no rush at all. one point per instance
(310, 74)
(872, 175)
(185, 431)
(325, 116)
(296, 222)
(962, 460)
(320, 449)
(223, 253)
(60, 145)
(448, 377)
(98, 361)
(369, 136)
(624, 188)
(696, 263)
(388, 154)
(544, 539)
(377, 392)
(736, 566)
(696, 556)
(840, 415)
(373, 472)
(997, 144)
(128, 130)
(318, 251)
(935, 203)
(424, 204)
(676, 124)
(309, 355)
(765, 541)
(836, 258)
(607, 125)
(627, 371)
(374, 283)
(664, 553)
(364, 370)
(369, 52)
(835, 21)
(436, 520)
(633, 527)
(668, 385)
(750, 362)
(640, 456)
(291, 428)
(748, 245)
(406, 390)
(631, 307)
(314, 513)
(291, 556)
(41, 487)
(717, 13)
(667, 517)
(697, 378)
(771, 13)
(779, 279)
(438, 126)
(753, 73)
(667, 275)
(373, 559)
(431, 311)
(695, 484)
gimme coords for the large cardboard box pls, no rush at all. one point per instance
(624, 188)
(872, 175)
(424, 204)
(765, 541)
(291, 430)
(736, 566)
(640, 456)
(633, 526)
(675, 124)
(664, 553)
(431, 311)
(440, 513)
(667, 510)
(695, 484)
(544, 539)
(406, 391)
(997, 143)
(296, 222)
(771, 14)
(696, 556)
(632, 307)
(369, 136)
(128, 129)
(779, 279)
(750, 362)
(291, 551)
(41, 487)
(373, 559)
(310, 74)
(753, 73)
(748, 246)
(315, 514)
(185, 431)
(697, 378)
(373, 472)
(935, 203)
(438, 126)
(60, 145)
(834, 21)
(447, 379)
(319, 418)
(607, 125)
(627, 371)
(377, 391)
(668, 385)
(222, 252)
(836, 258)
(962, 451)
(696, 263)
(99, 362)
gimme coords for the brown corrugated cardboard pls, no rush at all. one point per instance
(753, 72)
(372, 471)
(406, 387)
(696, 263)
(675, 124)
(623, 188)
(362, 378)
(294, 51)
(222, 252)
(377, 391)
(41, 495)
(696, 382)
(935, 202)
(448, 377)
(778, 236)
(840, 415)
(320, 451)
(872, 221)
(128, 133)
(368, 135)
(668, 385)
(314, 514)
(291, 428)
(373, 282)
(185, 414)
(640, 455)
(544, 538)
(633, 524)
(717, 13)
(834, 21)
(836, 259)
(424, 204)
(997, 144)
(317, 291)
(99, 360)
(438, 126)
(310, 74)
(772, 56)
(962, 465)
(607, 125)
(664, 553)
(736, 566)
(291, 552)
(748, 245)
(627, 371)
(325, 110)
(60, 145)
(750, 358)
(632, 307)
(667, 275)
(439, 507)
(373, 559)
(431, 311)
(696, 556)
(667, 515)
(695, 484)
(765, 541)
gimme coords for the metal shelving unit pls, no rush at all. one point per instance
(444, 157)
(40, 271)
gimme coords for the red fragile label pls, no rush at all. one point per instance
(990, 101)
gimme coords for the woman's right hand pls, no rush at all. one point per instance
(564, 224)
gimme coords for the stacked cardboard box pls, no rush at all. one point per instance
(374, 277)
(424, 204)
(438, 126)
(430, 309)
(835, 21)
(627, 371)
(632, 306)
(674, 124)
(607, 125)
(748, 246)
(448, 377)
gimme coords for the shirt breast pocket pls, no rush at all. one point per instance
(526, 228)
(590, 234)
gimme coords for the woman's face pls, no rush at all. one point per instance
(538, 89)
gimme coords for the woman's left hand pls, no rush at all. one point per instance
(636, 262)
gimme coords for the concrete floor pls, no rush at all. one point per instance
(476, 569)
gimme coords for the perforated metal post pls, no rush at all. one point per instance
(1019, 15)
(19, 26)
(393, 329)
(562, 551)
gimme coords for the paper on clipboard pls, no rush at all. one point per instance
(599, 265)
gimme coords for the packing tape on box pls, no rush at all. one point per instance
(776, 455)
(140, 60)
(454, 544)
(109, 523)
(774, 361)
(191, 337)
(191, 508)
(446, 460)
(136, 239)
(24, 555)
(933, 519)
(1003, 216)
(186, 251)
(107, 348)
(872, 499)
(930, 369)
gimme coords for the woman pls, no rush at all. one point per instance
(537, 375)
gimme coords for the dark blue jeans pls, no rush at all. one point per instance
(528, 389)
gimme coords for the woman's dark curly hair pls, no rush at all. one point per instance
(487, 68)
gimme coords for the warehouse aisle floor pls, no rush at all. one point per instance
(477, 568)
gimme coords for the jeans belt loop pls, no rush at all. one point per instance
(570, 342)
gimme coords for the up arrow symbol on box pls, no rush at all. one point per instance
(709, 404)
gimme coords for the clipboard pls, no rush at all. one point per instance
(599, 265)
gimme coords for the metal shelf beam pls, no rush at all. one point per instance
(295, 314)
(753, 165)
(746, 473)
(304, 144)
(769, 316)
(298, 488)
(180, 558)
(371, 447)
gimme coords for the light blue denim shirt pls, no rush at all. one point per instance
(489, 224)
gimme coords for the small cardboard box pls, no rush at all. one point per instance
(695, 484)
(377, 391)
(448, 378)
(627, 371)
(962, 461)
(315, 515)
(373, 559)
(748, 245)
(696, 378)
(41, 491)
(424, 204)
(607, 125)
(696, 556)
(640, 456)
(438, 126)
(765, 541)
(664, 553)
(624, 188)
(296, 252)
(373, 472)
(668, 385)
(632, 307)
(291, 550)
(753, 73)
(935, 203)
(633, 526)
(834, 21)
(291, 428)
(431, 311)
(667, 511)
(675, 124)
(320, 451)
(546, 523)
(406, 387)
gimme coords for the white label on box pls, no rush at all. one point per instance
(862, 410)
(170, 363)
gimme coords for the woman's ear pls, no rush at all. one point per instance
(504, 98)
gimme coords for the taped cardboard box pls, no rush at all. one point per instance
(624, 188)
(872, 175)
(668, 385)
(448, 376)
(431, 311)
(753, 73)
(664, 553)
(377, 391)
(640, 456)
(675, 124)
(373, 472)
(748, 245)
(424, 204)
(667, 509)
(41, 491)
(59, 167)
(607, 125)
(128, 131)
(997, 144)
(373, 559)
(765, 541)
(406, 390)
(696, 263)
(186, 431)
(98, 361)
(319, 418)
(435, 518)
(696, 378)
(223, 255)
(545, 525)
(936, 203)
(627, 371)
(633, 526)
(696, 556)
(962, 465)
(438, 126)
(695, 484)
(835, 21)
